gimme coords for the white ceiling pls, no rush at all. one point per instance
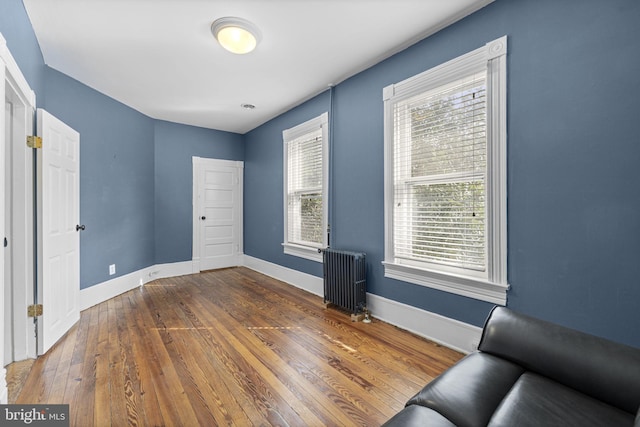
(159, 57)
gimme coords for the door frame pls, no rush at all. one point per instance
(198, 164)
(22, 206)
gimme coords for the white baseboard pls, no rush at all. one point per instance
(173, 269)
(295, 278)
(449, 332)
(111, 288)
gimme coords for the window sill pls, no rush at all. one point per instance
(302, 252)
(469, 287)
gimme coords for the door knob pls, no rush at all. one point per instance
(80, 227)
(203, 218)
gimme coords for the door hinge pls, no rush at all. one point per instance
(34, 141)
(34, 310)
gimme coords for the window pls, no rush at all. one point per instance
(445, 176)
(306, 153)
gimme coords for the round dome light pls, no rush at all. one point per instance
(237, 35)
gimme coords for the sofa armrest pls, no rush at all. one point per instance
(597, 367)
(469, 393)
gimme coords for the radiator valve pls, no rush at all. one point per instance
(366, 319)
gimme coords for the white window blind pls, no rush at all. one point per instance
(306, 154)
(304, 193)
(439, 174)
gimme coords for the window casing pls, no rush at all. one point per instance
(445, 176)
(306, 154)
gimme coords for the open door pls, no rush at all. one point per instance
(58, 229)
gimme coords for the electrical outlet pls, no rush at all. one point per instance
(112, 269)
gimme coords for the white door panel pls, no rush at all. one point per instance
(59, 213)
(217, 213)
(219, 232)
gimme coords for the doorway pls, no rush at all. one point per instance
(217, 213)
(19, 330)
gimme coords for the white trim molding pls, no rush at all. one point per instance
(14, 74)
(16, 89)
(295, 278)
(489, 284)
(449, 332)
(312, 254)
(469, 287)
(104, 291)
(307, 250)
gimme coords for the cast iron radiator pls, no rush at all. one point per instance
(344, 279)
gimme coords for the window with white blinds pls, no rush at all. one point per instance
(305, 155)
(439, 175)
(445, 189)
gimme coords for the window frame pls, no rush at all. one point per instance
(493, 286)
(321, 123)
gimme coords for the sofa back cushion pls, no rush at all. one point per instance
(535, 401)
(597, 367)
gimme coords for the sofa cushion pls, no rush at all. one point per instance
(535, 400)
(600, 368)
(469, 393)
(418, 416)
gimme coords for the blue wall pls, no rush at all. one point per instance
(135, 172)
(175, 145)
(573, 153)
(263, 187)
(573, 150)
(21, 41)
(116, 178)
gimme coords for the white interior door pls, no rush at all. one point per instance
(218, 213)
(59, 214)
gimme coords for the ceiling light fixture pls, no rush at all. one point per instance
(237, 35)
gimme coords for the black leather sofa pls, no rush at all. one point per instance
(528, 372)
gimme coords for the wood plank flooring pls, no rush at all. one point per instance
(17, 373)
(230, 347)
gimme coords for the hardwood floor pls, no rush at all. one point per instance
(230, 347)
(17, 373)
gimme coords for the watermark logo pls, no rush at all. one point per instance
(34, 415)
